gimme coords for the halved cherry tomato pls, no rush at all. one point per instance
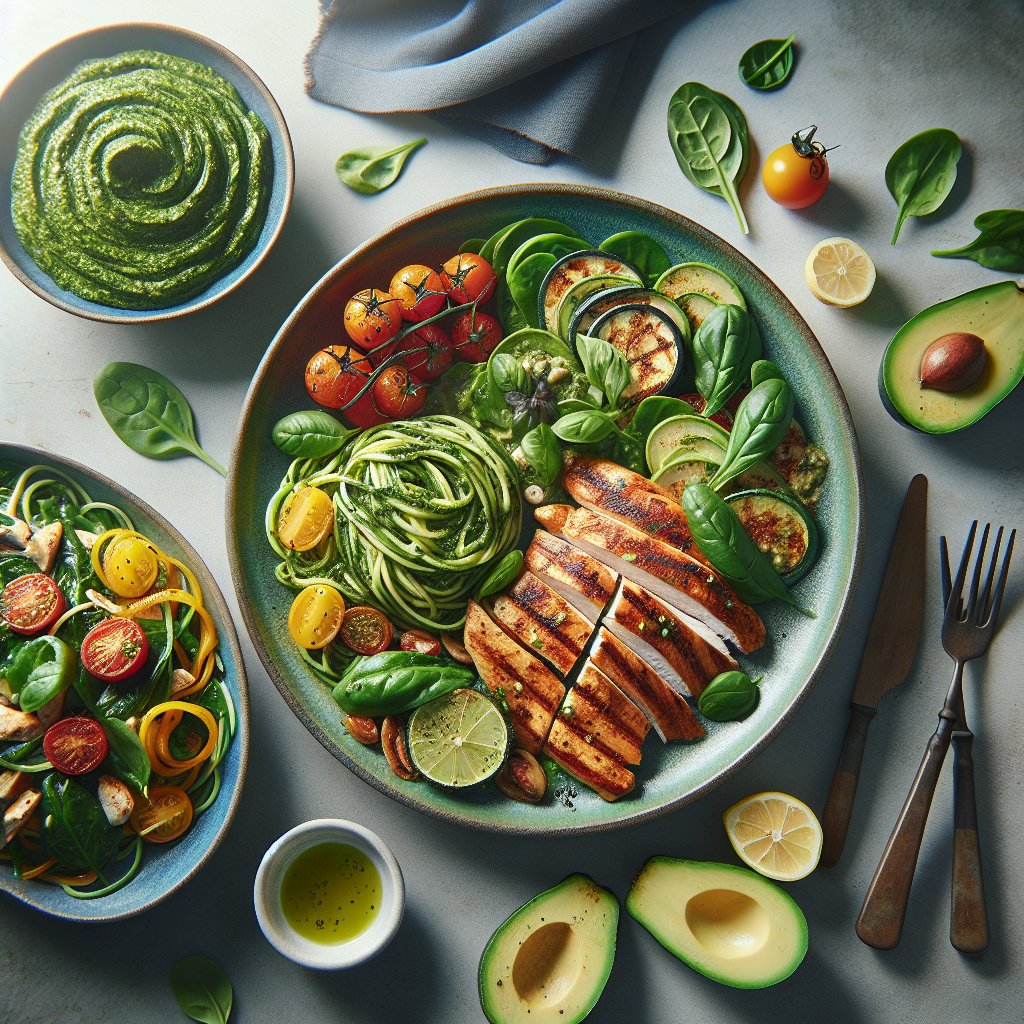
(306, 518)
(397, 395)
(796, 175)
(76, 745)
(372, 317)
(164, 815)
(114, 649)
(366, 630)
(430, 352)
(475, 335)
(315, 616)
(468, 278)
(420, 641)
(31, 603)
(420, 292)
(130, 565)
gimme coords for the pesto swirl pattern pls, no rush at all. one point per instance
(140, 180)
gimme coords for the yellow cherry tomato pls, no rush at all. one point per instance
(306, 518)
(162, 816)
(130, 565)
(316, 616)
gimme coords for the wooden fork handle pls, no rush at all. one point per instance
(968, 924)
(839, 806)
(880, 923)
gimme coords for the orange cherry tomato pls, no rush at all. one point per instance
(796, 175)
(76, 745)
(164, 815)
(420, 292)
(419, 641)
(335, 375)
(315, 616)
(366, 630)
(468, 278)
(397, 395)
(31, 604)
(475, 335)
(114, 649)
(372, 317)
(306, 518)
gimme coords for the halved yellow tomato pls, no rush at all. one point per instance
(316, 616)
(130, 565)
(164, 815)
(306, 519)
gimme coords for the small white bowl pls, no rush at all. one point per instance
(267, 895)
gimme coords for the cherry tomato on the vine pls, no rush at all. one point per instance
(796, 175)
(429, 350)
(114, 649)
(31, 603)
(420, 292)
(76, 745)
(468, 278)
(372, 317)
(335, 375)
(475, 335)
(397, 394)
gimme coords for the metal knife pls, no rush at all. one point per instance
(888, 654)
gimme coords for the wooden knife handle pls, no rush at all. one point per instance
(968, 924)
(839, 806)
(880, 923)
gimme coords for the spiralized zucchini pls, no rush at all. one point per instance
(424, 509)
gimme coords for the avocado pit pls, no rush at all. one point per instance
(953, 362)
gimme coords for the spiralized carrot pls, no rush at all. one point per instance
(39, 869)
(155, 736)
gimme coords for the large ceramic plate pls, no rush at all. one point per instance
(798, 647)
(165, 868)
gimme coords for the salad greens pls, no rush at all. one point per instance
(729, 697)
(371, 169)
(724, 348)
(543, 454)
(41, 670)
(309, 434)
(921, 173)
(768, 64)
(75, 830)
(999, 246)
(394, 682)
(202, 990)
(640, 251)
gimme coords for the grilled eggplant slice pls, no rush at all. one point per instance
(573, 268)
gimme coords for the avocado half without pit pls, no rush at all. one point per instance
(551, 959)
(955, 361)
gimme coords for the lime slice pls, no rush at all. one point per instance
(839, 272)
(459, 739)
(775, 834)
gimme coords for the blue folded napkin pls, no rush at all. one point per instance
(530, 77)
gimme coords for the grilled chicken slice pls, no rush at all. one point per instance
(580, 578)
(17, 815)
(665, 640)
(19, 726)
(532, 691)
(668, 711)
(598, 707)
(590, 762)
(12, 785)
(606, 487)
(543, 621)
(672, 575)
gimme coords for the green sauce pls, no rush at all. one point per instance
(140, 180)
(331, 893)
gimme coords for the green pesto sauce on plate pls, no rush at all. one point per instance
(140, 180)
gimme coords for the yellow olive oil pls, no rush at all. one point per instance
(331, 893)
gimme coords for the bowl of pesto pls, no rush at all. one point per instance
(145, 172)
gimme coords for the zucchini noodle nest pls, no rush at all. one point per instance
(423, 510)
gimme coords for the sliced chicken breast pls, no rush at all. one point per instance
(590, 762)
(598, 707)
(580, 578)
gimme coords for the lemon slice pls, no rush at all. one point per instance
(839, 272)
(459, 739)
(775, 834)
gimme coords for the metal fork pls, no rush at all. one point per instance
(967, 629)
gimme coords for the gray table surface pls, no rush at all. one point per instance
(870, 74)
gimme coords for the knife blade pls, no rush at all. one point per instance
(889, 652)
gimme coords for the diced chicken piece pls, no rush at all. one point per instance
(18, 726)
(115, 799)
(17, 815)
(15, 533)
(666, 640)
(531, 690)
(43, 545)
(543, 621)
(668, 711)
(553, 517)
(589, 762)
(672, 575)
(604, 486)
(181, 679)
(51, 711)
(12, 785)
(87, 538)
(580, 578)
(603, 712)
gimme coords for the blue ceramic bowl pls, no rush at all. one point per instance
(24, 92)
(165, 868)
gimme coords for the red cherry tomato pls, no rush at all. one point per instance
(31, 603)
(372, 317)
(366, 630)
(420, 292)
(114, 649)
(430, 352)
(397, 395)
(76, 745)
(475, 335)
(796, 175)
(468, 278)
(420, 641)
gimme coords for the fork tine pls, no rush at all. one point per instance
(985, 605)
(1001, 584)
(961, 574)
(972, 600)
(947, 583)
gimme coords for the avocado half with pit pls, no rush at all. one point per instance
(726, 922)
(550, 960)
(995, 315)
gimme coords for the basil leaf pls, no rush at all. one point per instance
(760, 424)
(52, 672)
(309, 434)
(148, 412)
(762, 370)
(921, 173)
(639, 250)
(1000, 246)
(75, 829)
(128, 758)
(605, 366)
(588, 426)
(729, 697)
(202, 990)
(507, 374)
(723, 349)
(768, 64)
(371, 169)
(501, 575)
(542, 451)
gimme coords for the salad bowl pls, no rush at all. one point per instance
(671, 775)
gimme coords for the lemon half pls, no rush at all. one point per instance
(775, 834)
(839, 272)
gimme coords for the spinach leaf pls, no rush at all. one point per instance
(202, 990)
(128, 758)
(723, 350)
(507, 373)
(501, 575)
(709, 137)
(768, 64)
(640, 250)
(525, 282)
(473, 245)
(588, 426)
(75, 829)
(507, 241)
(1000, 246)
(43, 669)
(371, 169)
(508, 312)
(921, 173)
(605, 366)
(762, 370)
(309, 434)
(542, 451)
(760, 424)
(652, 411)
(13, 566)
(148, 412)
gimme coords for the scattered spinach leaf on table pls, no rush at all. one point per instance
(921, 173)
(148, 412)
(768, 64)
(202, 990)
(1000, 246)
(371, 169)
(309, 434)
